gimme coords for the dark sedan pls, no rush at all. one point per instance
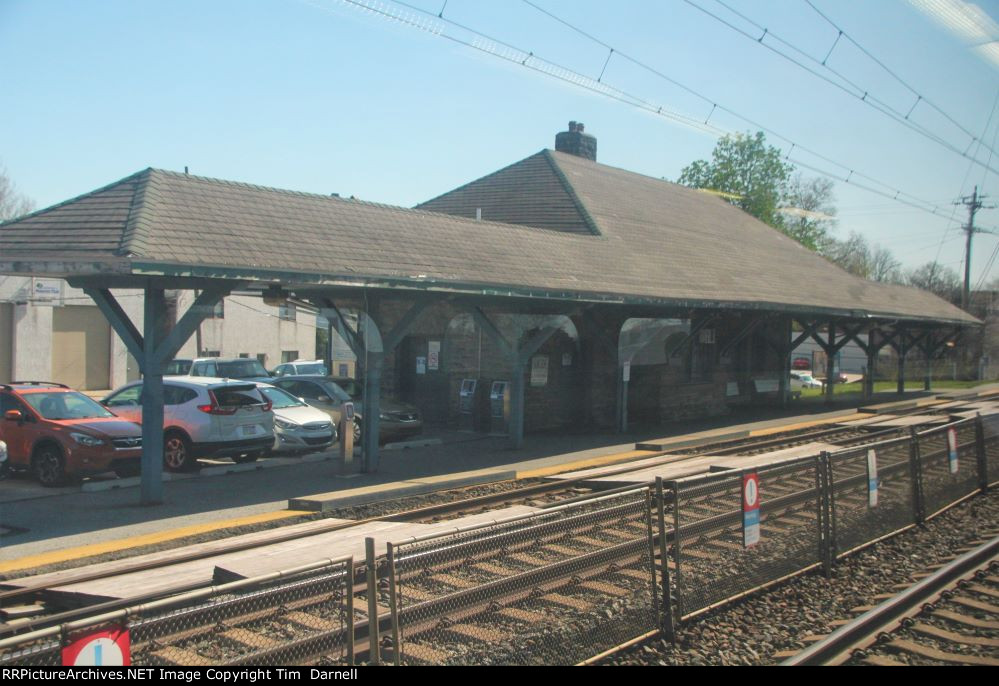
(396, 420)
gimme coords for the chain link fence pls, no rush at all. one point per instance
(948, 464)
(290, 618)
(990, 440)
(710, 558)
(553, 588)
(872, 494)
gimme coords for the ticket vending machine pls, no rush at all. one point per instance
(499, 408)
(467, 404)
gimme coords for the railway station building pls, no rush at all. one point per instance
(591, 294)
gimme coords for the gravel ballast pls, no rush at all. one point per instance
(752, 631)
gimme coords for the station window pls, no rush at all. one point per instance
(287, 311)
(289, 355)
(218, 312)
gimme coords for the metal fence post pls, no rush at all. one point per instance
(823, 484)
(369, 557)
(674, 487)
(393, 606)
(915, 462)
(983, 463)
(667, 622)
(348, 588)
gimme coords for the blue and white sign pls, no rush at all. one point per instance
(750, 510)
(872, 478)
(952, 450)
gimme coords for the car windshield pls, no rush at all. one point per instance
(65, 405)
(352, 388)
(241, 369)
(280, 399)
(312, 369)
(177, 368)
(336, 392)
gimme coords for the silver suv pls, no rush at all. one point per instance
(204, 416)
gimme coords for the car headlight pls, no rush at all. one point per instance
(287, 426)
(86, 439)
(385, 417)
(3, 451)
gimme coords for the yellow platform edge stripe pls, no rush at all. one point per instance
(83, 551)
(586, 464)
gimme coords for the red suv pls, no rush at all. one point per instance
(59, 433)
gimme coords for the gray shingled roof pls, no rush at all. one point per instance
(576, 230)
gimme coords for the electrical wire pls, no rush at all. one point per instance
(860, 94)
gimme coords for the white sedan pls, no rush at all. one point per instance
(801, 380)
(298, 427)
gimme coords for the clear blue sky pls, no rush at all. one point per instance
(321, 96)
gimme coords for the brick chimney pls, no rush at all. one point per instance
(575, 142)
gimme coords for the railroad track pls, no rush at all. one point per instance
(951, 616)
(486, 600)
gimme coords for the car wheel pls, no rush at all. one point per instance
(177, 455)
(357, 432)
(243, 459)
(49, 466)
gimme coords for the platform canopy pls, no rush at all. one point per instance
(554, 227)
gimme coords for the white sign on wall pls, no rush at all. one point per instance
(46, 291)
(539, 370)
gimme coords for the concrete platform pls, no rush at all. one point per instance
(913, 420)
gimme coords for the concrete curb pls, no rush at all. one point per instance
(420, 443)
(324, 502)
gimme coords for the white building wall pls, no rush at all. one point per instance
(249, 326)
(31, 350)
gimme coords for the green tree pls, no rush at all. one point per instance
(748, 172)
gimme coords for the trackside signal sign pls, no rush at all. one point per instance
(952, 449)
(872, 478)
(750, 509)
(109, 647)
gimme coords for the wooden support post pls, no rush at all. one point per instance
(785, 366)
(154, 312)
(902, 348)
(831, 351)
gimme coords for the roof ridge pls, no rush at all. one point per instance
(143, 213)
(138, 212)
(571, 192)
(481, 178)
(81, 196)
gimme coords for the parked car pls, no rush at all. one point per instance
(801, 380)
(245, 368)
(4, 465)
(59, 433)
(298, 427)
(204, 416)
(801, 363)
(397, 420)
(301, 367)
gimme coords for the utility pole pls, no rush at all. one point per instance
(974, 203)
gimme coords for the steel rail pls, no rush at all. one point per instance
(874, 621)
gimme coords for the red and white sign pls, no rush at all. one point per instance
(750, 509)
(952, 450)
(106, 648)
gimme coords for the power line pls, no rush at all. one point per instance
(426, 21)
(893, 193)
(859, 93)
(920, 98)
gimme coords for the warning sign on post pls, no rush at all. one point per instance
(952, 450)
(750, 510)
(872, 478)
(109, 647)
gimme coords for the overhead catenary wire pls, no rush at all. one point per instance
(920, 97)
(893, 194)
(853, 90)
